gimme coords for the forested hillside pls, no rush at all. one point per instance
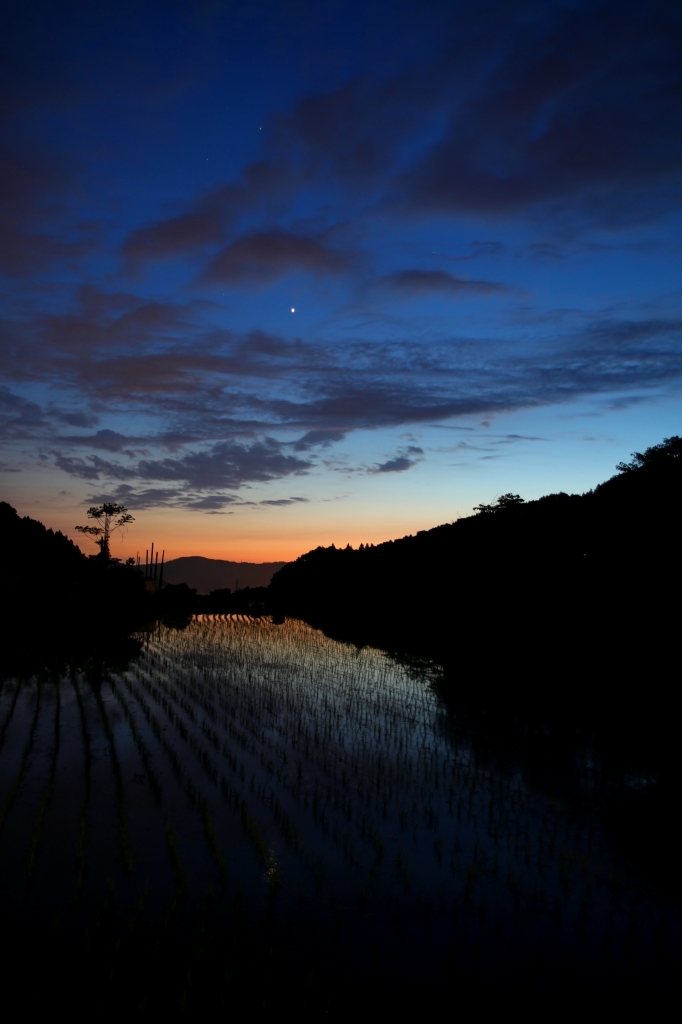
(58, 603)
(537, 587)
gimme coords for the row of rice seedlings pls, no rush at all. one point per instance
(198, 800)
(252, 830)
(207, 764)
(315, 801)
(328, 766)
(195, 798)
(81, 841)
(176, 861)
(267, 797)
(11, 794)
(260, 713)
(353, 745)
(36, 836)
(337, 798)
(470, 805)
(267, 763)
(9, 713)
(118, 780)
(142, 747)
(167, 748)
(167, 700)
(363, 827)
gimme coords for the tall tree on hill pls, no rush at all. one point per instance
(109, 517)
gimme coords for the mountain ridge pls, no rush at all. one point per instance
(207, 574)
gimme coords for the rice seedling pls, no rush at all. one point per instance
(144, 752)
(87, 763)
(11, 794)
(49, 790)
(116, 767)
(9, 713)
(347, 804)
(176, 861)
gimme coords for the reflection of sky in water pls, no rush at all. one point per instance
(326, 785)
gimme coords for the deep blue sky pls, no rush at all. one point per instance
(336, 270)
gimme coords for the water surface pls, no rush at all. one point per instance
(326, 794)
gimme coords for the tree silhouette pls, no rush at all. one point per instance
(657, 455)
(110, 517)
(504, 501)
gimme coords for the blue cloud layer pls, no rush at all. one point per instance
(408, 192)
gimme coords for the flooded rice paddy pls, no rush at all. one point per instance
(323, 797)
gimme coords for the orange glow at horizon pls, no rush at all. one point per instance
(266, 537)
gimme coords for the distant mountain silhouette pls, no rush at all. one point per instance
(207, 574)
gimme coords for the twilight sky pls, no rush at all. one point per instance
(278, 274)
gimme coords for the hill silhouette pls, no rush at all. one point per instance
(207, 574)
(59, 605)
(556, 623)
(519, 587)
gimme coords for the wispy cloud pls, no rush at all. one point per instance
(182, 384)
(439, 282)
(225, 410)
(405, 459)
(262, 257)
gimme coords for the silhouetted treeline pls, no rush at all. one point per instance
(568, 586)
(179, 601)
(59, 604)
(557, 623)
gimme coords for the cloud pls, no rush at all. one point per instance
(581, 104)
(19, 416)
(74, 417)
(319, 438)
(207, 220)
(200, 385)
(32, 186)
(92, 467)
(283, 501)
(402, 461)
(397, 465)
(109, 440)
(225, 409)
(183, 233)
(564, 106)
(434, 282)
(225, 464)
(265, 256)
(560, 115)
(209, 503)
(136, 497)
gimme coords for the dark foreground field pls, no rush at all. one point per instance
(250, 816)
